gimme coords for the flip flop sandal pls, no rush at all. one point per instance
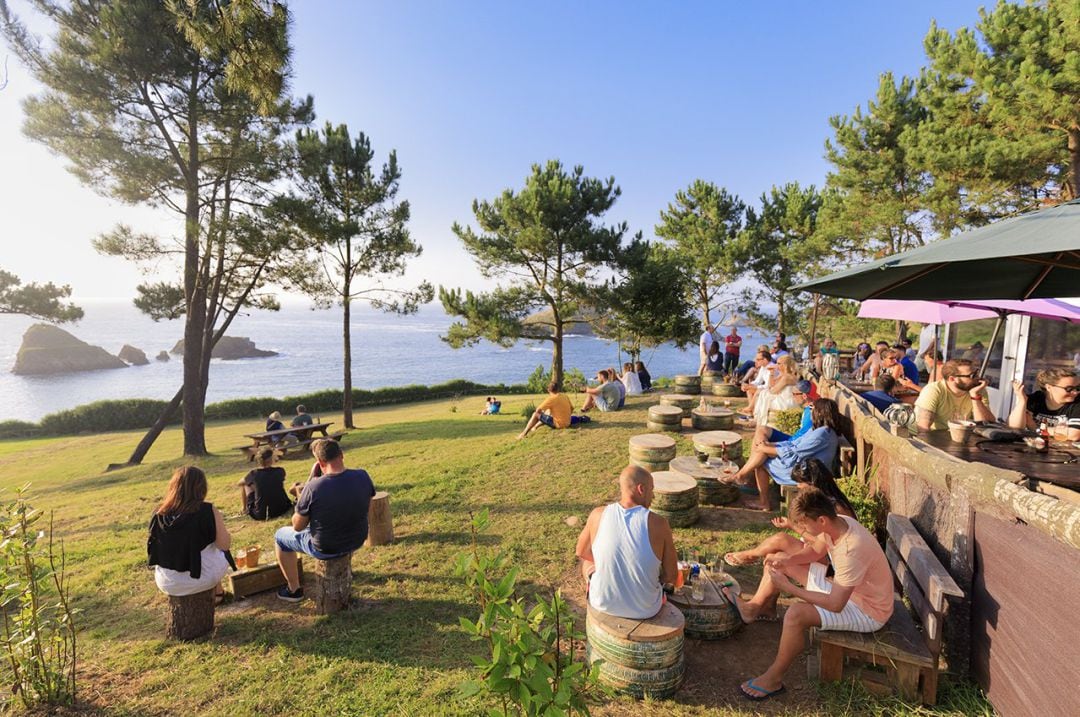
(734, 562)
(765, 694)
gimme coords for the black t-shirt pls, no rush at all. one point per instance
(177, 539)
(1036, 406)
(269, 499)
(337, 506)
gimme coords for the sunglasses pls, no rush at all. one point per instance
(1069, 389)
(966, 375)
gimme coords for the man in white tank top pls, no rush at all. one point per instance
(627, 552)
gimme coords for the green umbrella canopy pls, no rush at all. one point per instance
(1032, 256)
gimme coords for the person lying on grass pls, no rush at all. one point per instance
(776, 460)
(331, 518)
(627, 552)
(858, 598)
(188, 538)
(555, 412)
(807, 474)
(262, 490)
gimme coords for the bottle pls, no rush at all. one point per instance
(1043, 430)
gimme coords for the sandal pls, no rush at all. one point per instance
(736, 562)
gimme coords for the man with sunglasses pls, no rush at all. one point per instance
(1058, 398)
(959, 395)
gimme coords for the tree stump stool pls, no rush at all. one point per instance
(675, 497)
(652, 451)
(641, 657)
(333, 584)
(665, 418)
(190, 616)
(725, 445)
(711, 491)
(380, 521)
(713, 419)
(726, 390)
(683, 401)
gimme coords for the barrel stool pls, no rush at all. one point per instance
(652, 451)
(713, 419)
(725, 445)
(711, 618)
(681, 400)
(333, 584)
(675, 497)
(190, 616)
(665, 418)
(641, 657)
(688, 384)
(708, 476)
(726, 390)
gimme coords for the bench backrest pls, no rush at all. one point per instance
(923, 578)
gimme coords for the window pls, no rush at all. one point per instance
(971, 339)
(1051, 344)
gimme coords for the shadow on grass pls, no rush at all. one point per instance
(447, 538)
(432, 430)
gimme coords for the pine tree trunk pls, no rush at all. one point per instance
(557, 357)
(195, 294)
(1072, 184)
(346, 331)
(152, 435)
(780, 306)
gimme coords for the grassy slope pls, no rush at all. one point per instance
(400, 653)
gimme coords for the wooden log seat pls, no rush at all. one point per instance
(652, 451)
(333, 584)
(711, 618)
(726, 390)
(641, 657)
(680, 400)
(713, 419)
(910, 657)
(675, 497)
(689, 384)
(380, 521)
(665, 418)
(725, 445)
(711, 491)
(190, 616)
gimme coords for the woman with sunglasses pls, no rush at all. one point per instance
(1056, 402)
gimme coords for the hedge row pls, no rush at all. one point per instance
(138, 413)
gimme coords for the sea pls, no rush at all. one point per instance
(388, 350)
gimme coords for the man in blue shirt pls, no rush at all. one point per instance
(331, 518)
(881, 397)
(911, 371)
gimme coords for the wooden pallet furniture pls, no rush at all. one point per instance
(249, 581)
(910, 655)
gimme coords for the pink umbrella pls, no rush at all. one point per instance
(948, 312)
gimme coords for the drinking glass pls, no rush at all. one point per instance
(1060, 428)
(697, 590)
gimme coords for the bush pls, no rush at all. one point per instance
(663, 382)
(573, 380)
(19, 429)
(102, 416)
(871, 509)
(527, 410)
(787, 420)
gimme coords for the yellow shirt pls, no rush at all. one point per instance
(560, 409)
(940, 401)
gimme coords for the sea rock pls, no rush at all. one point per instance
(47, 349)
(231, 348)
(162, 356)
(133, 356)
(539, 323)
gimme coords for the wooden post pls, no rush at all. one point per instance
(333, 584)
(190, 616)
(380, 520)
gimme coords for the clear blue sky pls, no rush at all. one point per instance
(471, 94)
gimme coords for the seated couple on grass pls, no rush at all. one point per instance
(556, 411)
(773, 456)
(609, 395)
(858, 598)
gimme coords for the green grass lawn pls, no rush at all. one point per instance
(401, 652)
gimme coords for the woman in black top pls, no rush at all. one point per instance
(1059, 400)
(643, 376)
(188, 538)
(262, 491)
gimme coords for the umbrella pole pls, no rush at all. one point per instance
(813, 329)
(993, 339)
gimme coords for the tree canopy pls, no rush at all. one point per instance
(39, 301)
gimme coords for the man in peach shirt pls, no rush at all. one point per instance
(859, 597)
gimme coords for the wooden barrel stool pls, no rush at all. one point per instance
(713, 419)
(333, 584)
(665, 418)
(675, 497)
(380, 521)
(725, 445)
(652, 451)
(712, 617)
(681, 400)
(688, 384)
(641, 657)
(727, 390)
(707, 476)
(190, 616)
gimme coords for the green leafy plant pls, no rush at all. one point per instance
(871, 507)
(527, 410)
(573, 380)
(39, 632)
(529, 664)
(787, 420)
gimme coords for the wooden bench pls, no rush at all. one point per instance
(909, 655)
(283, 447)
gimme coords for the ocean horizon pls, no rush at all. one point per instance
(388, 350)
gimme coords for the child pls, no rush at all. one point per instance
(643, 376)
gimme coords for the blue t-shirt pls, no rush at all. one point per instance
(807, 422)
(337, 507)
(880, 400)
(911, 371)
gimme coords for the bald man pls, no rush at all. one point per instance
(627, 552)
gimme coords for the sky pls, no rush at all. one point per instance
(470, 95)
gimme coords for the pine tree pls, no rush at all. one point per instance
(40, 301)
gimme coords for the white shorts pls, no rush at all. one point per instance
(850, 619)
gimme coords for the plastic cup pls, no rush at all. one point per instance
(252, 557)
(960, 431)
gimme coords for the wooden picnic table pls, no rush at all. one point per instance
(267, 438)
(1059, 464)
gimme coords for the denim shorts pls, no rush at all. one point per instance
(292, 541)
